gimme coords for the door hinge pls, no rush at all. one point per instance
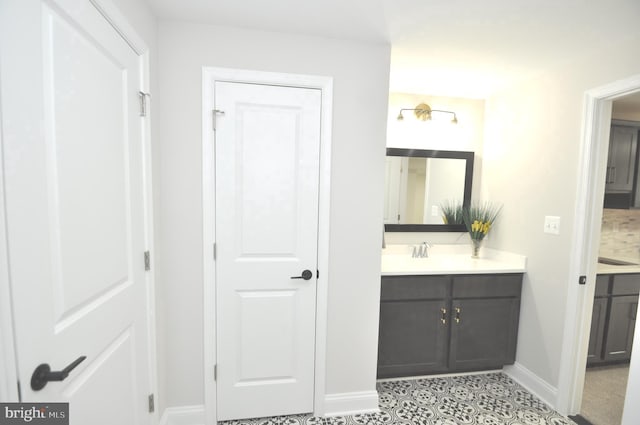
(19, 392)
(215, 253)
(317, 274)
(147, 261)
(215, 372)
(143, 103)
(582, 280)
(152, 404)
(215, 114)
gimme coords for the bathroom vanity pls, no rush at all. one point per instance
(448, 313)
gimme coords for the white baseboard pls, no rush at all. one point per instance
(354, 403)
(183, 415)
(335, 405)
(533, 383)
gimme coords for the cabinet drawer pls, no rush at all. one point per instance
(602, 285)
(626, 284)
(395, 288)
(486, 286)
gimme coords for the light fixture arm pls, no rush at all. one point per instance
(423, 112)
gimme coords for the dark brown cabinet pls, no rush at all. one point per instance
(614, 316)
(453, 323)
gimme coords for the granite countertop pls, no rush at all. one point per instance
(449, 259)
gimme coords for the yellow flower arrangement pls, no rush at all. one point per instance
(479, 218)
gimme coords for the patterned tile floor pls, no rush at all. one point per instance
(485, 399)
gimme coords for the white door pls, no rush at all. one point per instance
(73, 153)
(267, 167)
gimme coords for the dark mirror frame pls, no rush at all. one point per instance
(466, 201)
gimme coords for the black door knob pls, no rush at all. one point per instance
(43, 374)
(306, 275)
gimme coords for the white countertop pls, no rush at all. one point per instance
(619, 269)
(449, 259)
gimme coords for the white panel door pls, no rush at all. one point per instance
(267, 168)
(75, 215)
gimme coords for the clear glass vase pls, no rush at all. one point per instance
(475, 248)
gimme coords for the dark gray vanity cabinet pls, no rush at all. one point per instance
(413, 326)
(485, 315)
(614, 316)
(453, 323)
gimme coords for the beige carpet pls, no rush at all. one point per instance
(603, 396)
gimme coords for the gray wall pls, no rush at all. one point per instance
(530, 162)
(360, 73)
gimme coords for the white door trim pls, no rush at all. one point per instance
(586, 238)
(8, 373)
(325, 84)
(9, 367)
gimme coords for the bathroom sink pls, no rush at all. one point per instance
(614, 262)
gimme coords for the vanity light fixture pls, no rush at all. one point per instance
(423, 112)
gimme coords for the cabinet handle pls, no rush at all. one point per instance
(443, 318)
(457, 315)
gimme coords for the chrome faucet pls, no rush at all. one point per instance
(421, 251)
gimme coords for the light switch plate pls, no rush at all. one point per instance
(435, 211)
(552, 224)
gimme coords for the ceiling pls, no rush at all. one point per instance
(460, 48)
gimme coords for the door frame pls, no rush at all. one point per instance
(8, 354)
(209, 76)
(594, 146)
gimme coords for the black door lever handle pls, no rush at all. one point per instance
(306, 275)
(43, 374)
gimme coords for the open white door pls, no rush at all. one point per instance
(267, 174)
(73, 164)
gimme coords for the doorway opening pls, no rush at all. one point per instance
(617, 282)
(592, 175)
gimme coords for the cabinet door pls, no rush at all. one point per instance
(622, 319)
(413, 337)
(622, 157)
(483, 333)
(596, 337)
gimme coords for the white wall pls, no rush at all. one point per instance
(532, 139)
(360, 73)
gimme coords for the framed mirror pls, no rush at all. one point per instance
(418, 182)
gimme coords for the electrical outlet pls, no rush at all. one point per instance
(552, 224)
(435, 211)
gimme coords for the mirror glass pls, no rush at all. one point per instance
(419, 182)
